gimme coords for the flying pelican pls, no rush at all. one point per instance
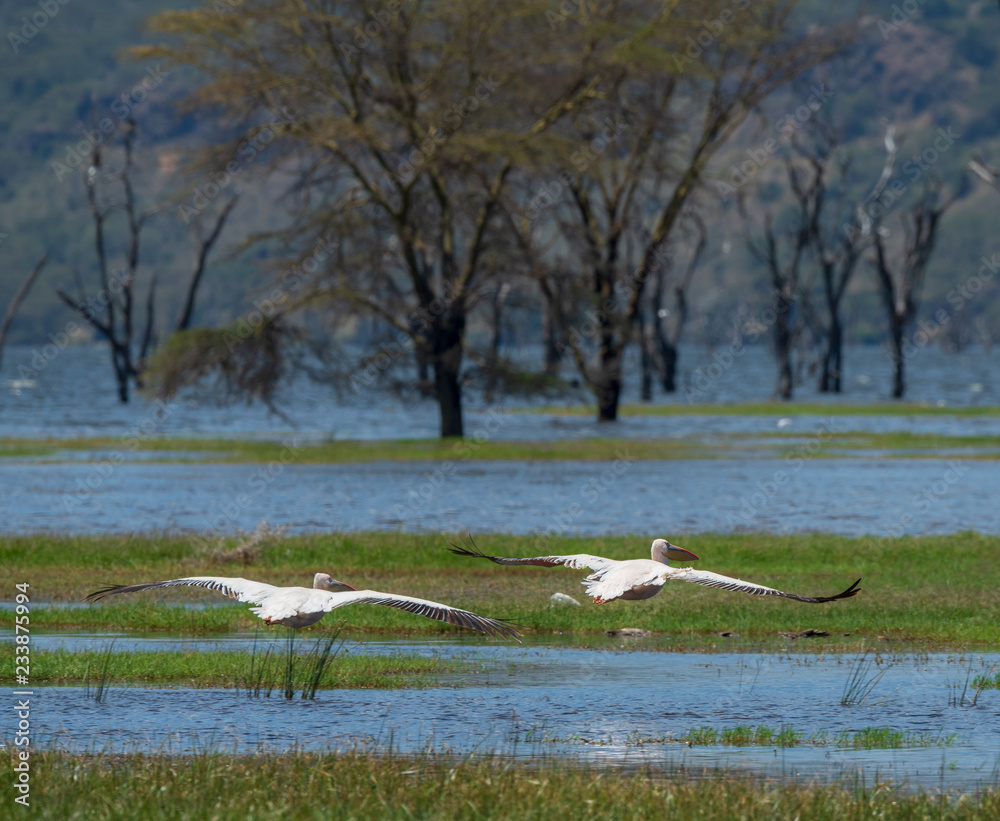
(637, 579)
(302, 606)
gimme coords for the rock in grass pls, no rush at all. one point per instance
(562, 599)
(630, 632)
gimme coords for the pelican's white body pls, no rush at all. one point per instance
(302, 606)
(637, 579)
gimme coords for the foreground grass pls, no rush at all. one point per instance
(230, 669)
(935, 591)
(363, 786)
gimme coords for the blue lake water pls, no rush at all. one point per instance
(614, 701)
(611, 704)
(849, 496)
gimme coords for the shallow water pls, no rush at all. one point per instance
(613, 704)
(74, 395)
(848, 496)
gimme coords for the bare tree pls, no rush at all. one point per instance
(785, 267)
(203, 247)
(669, 320)
(900, 285)
(838, 249)
(112, 310)
(19, 297)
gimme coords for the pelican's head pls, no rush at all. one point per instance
(324, 581)
(663, 551)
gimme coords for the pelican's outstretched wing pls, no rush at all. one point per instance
(422, 607)
(578, 561)
(243, 590)
(709, 579)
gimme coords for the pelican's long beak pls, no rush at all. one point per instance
(679, 554)
(346, 586)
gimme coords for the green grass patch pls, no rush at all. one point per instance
(769, 409)
(778, 444)
(243, 670)
(867, 738)
(434, 786)
(932, 591)
(743, 736)
(243, 451)
(987, 682)
(886, 738)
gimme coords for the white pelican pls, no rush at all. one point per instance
(637, 579)
(302, 606)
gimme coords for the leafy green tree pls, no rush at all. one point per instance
(397, 128)
(618, 172)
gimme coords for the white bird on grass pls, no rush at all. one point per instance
(302, 606)
(637, 579)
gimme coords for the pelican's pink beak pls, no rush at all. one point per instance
(679, 554)
(348, 587)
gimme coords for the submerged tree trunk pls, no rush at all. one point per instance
(447, 378)
(608, 394)
(783, 352)
(647, 359)
(829, 378)
(896, 354)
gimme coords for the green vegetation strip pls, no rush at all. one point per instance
(884, 738)
(770, 409)
(230, 669)
(933, 591)
(434, 786)
(826, 443)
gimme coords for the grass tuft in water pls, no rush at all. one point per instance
(103, 663)
(787, 736)
(862, 680)
(302, 672)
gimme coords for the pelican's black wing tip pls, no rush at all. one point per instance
(97, 595)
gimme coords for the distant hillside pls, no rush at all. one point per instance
(936, 69)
